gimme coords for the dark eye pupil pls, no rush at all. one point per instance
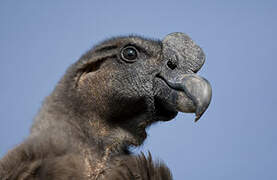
(130, 53)
(171, 65)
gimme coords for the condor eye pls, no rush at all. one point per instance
(171, 65)
(129, 54)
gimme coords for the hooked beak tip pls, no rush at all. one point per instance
(196, 119)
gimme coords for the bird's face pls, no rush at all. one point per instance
(137, 81)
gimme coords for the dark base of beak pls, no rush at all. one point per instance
(163, 111)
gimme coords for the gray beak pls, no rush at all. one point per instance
(194, 93)
(197, 89)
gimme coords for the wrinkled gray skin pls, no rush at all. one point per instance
(194, 91)
(103, 105)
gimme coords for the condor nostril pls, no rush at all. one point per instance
(171, 65)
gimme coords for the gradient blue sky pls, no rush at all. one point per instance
(235, 139)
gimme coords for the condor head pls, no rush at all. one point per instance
(127, 83)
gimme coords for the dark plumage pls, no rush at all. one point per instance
(102, 106)
(140, 167)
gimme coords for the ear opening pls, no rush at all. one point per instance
(88, 68)
(92, 65)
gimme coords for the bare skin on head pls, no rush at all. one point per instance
(103, 105)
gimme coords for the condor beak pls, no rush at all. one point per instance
(193, 92)
(197, 89)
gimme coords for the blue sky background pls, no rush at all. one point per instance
(235, 139)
